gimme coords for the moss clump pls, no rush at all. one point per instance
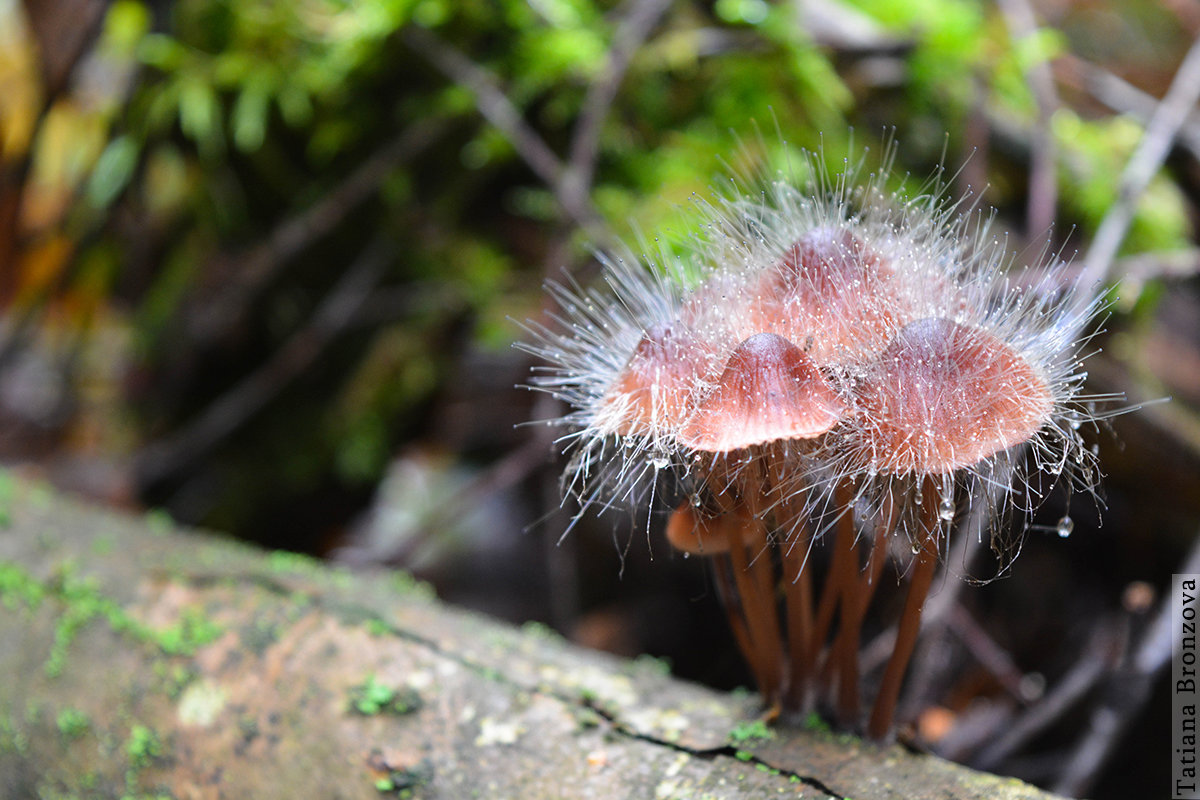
(159, 521)
(193, 630)
(73, 723)
(83, 602)
(143, 747)
(652, 664)
(296, 563)
(750, 732)
(405, 584)
(372, 697)
(19, 588)
(813, 722)
(540, 630)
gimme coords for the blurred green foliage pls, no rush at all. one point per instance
(222, 121)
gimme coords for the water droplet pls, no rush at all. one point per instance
(919, 497)
(686, 554)
(916, 549)
(660, 462)
(1065, 526)
(946, 509)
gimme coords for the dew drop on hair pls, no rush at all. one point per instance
(946, 509)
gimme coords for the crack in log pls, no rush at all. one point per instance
(355, 614)
(351, 613)
(712, 753)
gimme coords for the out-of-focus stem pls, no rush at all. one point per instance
(798, 592)
(761, 615)
(856, 597)
(737, 617)
(910, 621)
(841, 569)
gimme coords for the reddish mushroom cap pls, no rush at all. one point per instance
(656, 384)
(691, 532)
(826, 259)
(770, 390)
(943, 396)
(831, 288)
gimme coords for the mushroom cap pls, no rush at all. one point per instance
(691, 532)
(770, 390)
(943, 396)
(830, 287)
(654, 388)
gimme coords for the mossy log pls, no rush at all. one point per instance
(138, 660)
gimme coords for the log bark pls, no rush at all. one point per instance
(139, 660)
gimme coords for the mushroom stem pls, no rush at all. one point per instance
(736, 613)
(758, 602)
(798, 593)
(910, 620)
(841, 571)
(857, 596)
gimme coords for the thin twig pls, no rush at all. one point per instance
(1127, 693)
(1166, 122)
(1043, 177)
(497, 109)
(1169, 265)
(994, 658)
(164, 458)
(514, 467)
(296, 234)
(1101, 652)
(638, 20)
(1122, 96)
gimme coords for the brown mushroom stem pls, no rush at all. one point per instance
(759, 606)
(737, 618)
(842, 570)
(857, 597)
(798, 594)
(910, 620)
(762, 569)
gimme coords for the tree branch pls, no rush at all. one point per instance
(163, 459)
(291, 237)
(497, 109)
(1168, 118)
(1043, 174)
(639, 18)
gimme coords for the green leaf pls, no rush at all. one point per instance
(113, 171)
(160, 51)
(124, 26)
(199, 112)
(250, 111)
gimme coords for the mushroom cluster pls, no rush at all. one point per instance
(851, 365)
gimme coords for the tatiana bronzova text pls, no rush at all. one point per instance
(1185, 680)
(832, 381)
